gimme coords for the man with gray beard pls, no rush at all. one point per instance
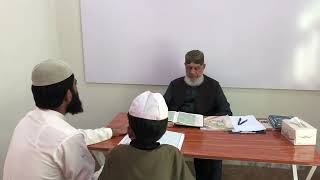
(200, 94)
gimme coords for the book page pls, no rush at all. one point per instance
(172, 116)
(190, 119)
(265, 123)
(172, 138)
(214, 123)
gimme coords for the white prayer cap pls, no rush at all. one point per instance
(148, 105)
(50, 72)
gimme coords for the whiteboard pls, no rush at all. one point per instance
(268, 44)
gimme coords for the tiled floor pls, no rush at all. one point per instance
(235, 172)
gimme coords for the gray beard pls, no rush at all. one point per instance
(193, 83)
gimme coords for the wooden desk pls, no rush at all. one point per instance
(270, 147)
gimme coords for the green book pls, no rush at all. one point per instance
(186, 119)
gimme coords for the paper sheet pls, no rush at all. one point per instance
(246, 124)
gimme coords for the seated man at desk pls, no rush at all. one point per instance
(200, 94)
(145, 158)
(51, 147)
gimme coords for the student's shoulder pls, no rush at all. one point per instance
(169, 149)
(125, 149)
(120, 148)
(172, 153)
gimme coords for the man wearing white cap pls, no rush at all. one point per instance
(44, 146)
(145, 158)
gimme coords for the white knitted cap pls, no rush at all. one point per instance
(148, 105)
(50, 72)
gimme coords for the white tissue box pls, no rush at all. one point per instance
(299, 134)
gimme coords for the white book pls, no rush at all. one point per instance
(172, 138)
(186, 119)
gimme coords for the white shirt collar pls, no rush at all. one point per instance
(52, 113)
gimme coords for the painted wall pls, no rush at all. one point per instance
(103, 101)
(28, 35)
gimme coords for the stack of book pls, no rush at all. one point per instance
(276, 120)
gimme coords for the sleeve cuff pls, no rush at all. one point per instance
(93, 136)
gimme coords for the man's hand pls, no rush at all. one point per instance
(119, 131)
(170, 124)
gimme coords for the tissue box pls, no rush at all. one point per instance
(299, 134)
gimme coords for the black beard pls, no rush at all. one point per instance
(75, 105)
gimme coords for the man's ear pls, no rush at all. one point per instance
(68, 96)
(204, 66)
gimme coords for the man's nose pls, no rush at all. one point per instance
(193, 71)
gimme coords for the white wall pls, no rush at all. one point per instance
(103, 101)
(243, 41)
(28, 35)
(31, 32)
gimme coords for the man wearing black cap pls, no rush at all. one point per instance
(145, 158)
(200, 94)
(44, 146)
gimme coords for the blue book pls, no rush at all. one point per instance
(276, 120)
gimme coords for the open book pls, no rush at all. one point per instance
(186, 119)
(173, 138)
(217, 123)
